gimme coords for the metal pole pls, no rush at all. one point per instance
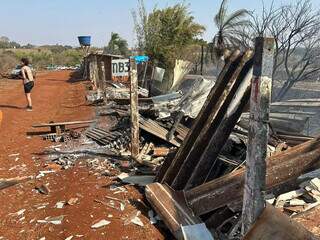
(134, 109)
(255, 179)
(201, 67)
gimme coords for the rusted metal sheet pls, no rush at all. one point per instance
(272, 224)
(171, 207)
(281, 168)
(189, 141)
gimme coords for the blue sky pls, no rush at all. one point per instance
(60, 21)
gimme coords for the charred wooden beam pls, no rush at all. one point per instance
(213, 96)
(201, 173)
(155, 129)
(215, 117)
(172, 208)
(281, 168)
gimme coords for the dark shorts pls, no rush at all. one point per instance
(28, 87)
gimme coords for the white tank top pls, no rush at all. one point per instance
(27, 74)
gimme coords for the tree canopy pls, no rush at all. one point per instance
(117, 45)
(165, 34)
(229, 27)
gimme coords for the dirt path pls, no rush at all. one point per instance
(59, 99)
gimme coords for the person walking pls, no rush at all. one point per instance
(28, 81)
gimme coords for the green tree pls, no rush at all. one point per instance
(229, 28)
(117, 45)
(166, 34)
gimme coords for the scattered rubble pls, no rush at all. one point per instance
(192, 151)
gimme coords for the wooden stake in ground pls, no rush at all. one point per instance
(255, 179)
(134, 109)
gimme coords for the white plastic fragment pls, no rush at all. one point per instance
(69, 238)
(60, 204)
(137, 221)
(122, 206)
(14, 155)
(20, 212)
(53, 220)
(100, 224)
(43, 173)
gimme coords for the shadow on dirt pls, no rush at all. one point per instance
(11, 106)
(76, 76)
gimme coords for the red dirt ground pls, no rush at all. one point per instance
(56, 98)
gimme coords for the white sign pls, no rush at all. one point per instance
(158, 74)
(120, 67)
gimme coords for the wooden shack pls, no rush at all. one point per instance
(101, 68)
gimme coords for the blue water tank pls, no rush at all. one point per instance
(84, 40)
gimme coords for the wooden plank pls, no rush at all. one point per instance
(297, 104)
(217, 113)
(101, 84)
(134, 112)
(171, 207)
(155, 129)
(206, 163)
(261, 86)
(281, 168)
(5, 183)
(272, 224)
(214, 94)
(62, 123)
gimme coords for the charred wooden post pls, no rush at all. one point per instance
(215, 93)
(209, 156)
(101, 77)
(134, 109)
(107, 62)
(94, 71)
(255, 180)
